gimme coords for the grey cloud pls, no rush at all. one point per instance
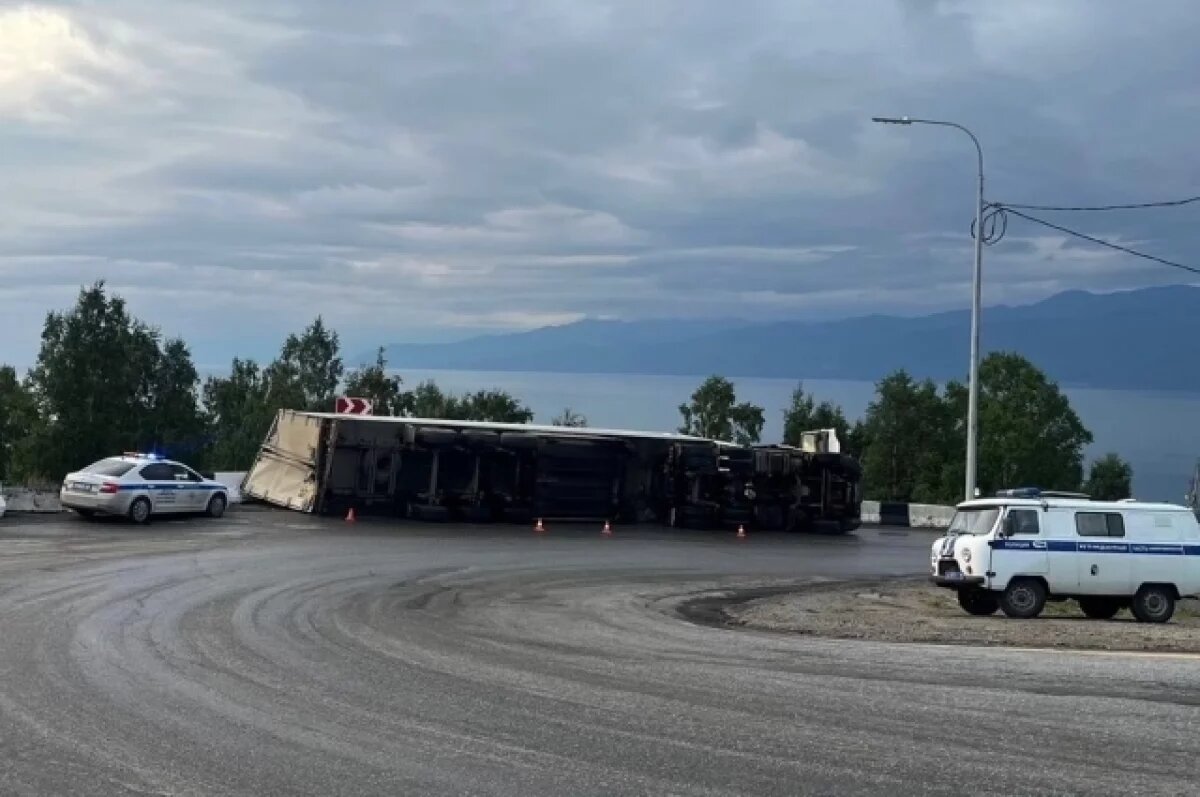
(428, 169)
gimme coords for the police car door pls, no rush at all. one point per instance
(161, 487)
(187, 485)
(1022, 551)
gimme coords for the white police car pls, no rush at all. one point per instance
(1024, 547)
(139, 486)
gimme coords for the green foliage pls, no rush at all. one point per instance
(804, 414)
(241, 406)
(307, 373)
(239, 415)
(491, 405)
(386, 392)
(1028, 432)
(429, 401)
(915, 439)
(17, 417)
(569, 417)
(905, 435)
(1110, 479)
(173, 421)
(102, 384)
(715, 413)
(855, 441)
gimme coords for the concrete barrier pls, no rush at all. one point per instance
(23, 499)
(898, 513)
(232, 479)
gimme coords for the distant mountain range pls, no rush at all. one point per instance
(1143, 339)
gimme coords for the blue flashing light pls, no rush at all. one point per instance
(140, 455)
(1020, 492)
(1038, 492)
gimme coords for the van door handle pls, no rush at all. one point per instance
(1095, 569)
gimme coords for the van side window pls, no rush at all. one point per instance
(1023, 521)
(1099, 524)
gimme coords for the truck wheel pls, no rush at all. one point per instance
(978, 602)
(139, 511)
(1023, 599)
(1099, 608)
(1153, 603)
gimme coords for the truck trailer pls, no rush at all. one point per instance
(476, 471)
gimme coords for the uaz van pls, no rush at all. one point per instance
(1024, 547)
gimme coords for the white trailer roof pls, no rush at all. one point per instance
(529, 428)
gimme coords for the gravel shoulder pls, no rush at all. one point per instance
(912, 610)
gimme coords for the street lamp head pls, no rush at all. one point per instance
(892, 120)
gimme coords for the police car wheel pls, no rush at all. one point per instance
(139, 511)
(1023, 599)
(978, 602)
(216, 506)
(1099, 608)
(1153, 603)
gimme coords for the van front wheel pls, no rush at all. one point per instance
(1153, 603)
(978, 602)
(1023, 599)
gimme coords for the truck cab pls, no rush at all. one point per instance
(1017, 550)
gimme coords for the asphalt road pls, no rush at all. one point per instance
(274, 654)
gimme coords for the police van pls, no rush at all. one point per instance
(1024, 547)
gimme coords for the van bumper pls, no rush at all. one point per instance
(959, 582)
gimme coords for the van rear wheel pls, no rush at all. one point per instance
(1023, 599)
(1100, 608)
(1153, 603)
(978, 602)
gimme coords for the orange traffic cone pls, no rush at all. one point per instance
(741, 532)
(539, 528)
(607, 532)
(350, 516)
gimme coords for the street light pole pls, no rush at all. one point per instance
(973, 379)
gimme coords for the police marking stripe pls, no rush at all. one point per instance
(170, 487)
(1065, 546)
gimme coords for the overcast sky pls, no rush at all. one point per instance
(426, 170)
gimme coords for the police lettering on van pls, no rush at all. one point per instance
(1024, 547)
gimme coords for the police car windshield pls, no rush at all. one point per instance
(974, 521)
(109, 467)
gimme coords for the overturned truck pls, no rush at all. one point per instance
(435, 469)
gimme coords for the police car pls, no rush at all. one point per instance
(1024, 547)
(139, 486)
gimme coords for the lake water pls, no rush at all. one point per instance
(1155, 432)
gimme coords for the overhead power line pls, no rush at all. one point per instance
(1168, 203)
(995, 223)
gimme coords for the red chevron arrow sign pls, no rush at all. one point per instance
(348, 405)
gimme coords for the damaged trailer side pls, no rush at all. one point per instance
(289, 462)
(437, 469)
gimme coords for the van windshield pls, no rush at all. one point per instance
(974, 521)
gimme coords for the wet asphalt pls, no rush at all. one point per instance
(270, 653)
